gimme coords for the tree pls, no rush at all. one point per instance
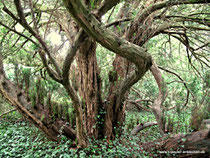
(84, 28)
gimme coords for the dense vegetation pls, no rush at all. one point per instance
(104, 78)
(22, 139)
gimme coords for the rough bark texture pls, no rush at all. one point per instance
(142, 126)
(106, 38)
(121, 67)
(88, 106)
(118, 45)
(192, 145)
(157, 105)
(89, 86)
(40, 116)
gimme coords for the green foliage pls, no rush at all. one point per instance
(71, 113)
(135, 118)
(34, 47)
(105, 59)
(21, 63)
(125, 146)
(12, 116)
(92, 3)
(24, 140)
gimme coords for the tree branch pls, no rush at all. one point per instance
(16, 97)
(141, 16)
(156, 106)
(7, 112)
(125, 85)
(24, 23)
(138, 106)
(106, 38)
(141, 126)
(117, 22)
(33, 15)
(20, 34)
(5, 35)
(196, 141)
(105, 6)
(185, 85)
(128, 50)
(203, 21)
(50, 71)
(11, 96)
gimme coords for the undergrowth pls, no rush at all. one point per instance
(20, 139)
(23, 140)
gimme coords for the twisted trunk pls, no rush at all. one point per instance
(40, 115)
(89, 85)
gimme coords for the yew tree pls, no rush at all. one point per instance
(81, 24)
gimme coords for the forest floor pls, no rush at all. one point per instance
(21, 139)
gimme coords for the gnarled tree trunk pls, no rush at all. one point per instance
(88, 105)
(89, 84)
(192, 145)
(41, 116)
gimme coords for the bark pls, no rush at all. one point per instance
(118, 77)
(192, 145)
(115, 108)
(40, 116)
(138, 106)
(89, 84)
(89, 87)
(142, 126)
(105, 6)
(114, 117)
(157, 104)
(106, 38)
